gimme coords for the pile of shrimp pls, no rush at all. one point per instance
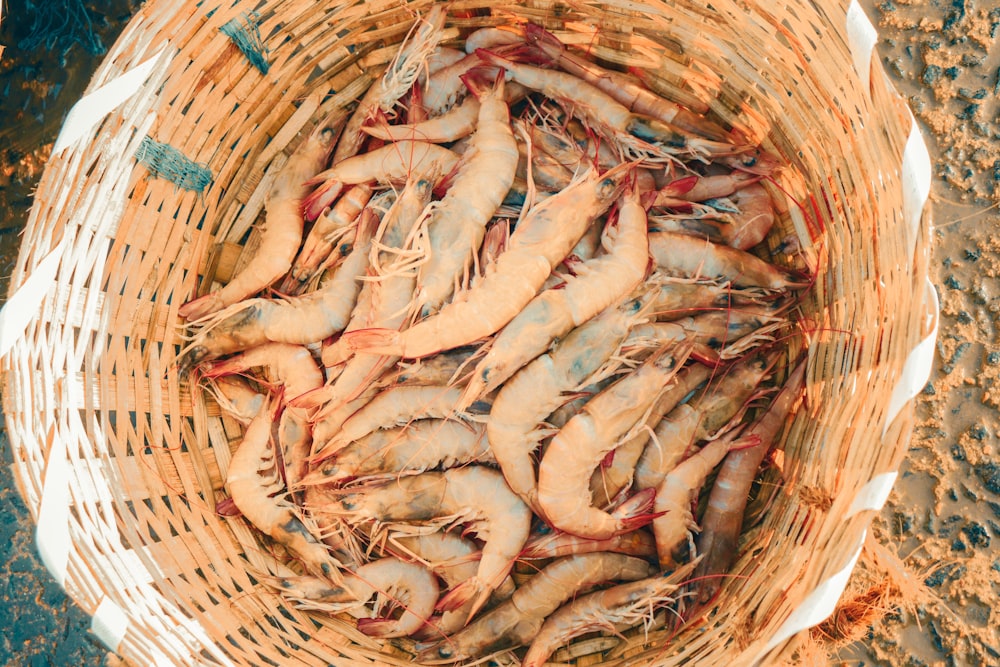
(504, 311)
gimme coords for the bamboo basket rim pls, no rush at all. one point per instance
(109, 442)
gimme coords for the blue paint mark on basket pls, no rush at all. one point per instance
(167, 162)
(245, 33)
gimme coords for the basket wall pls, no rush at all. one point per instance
(127, 460)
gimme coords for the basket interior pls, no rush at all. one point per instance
(95, 379)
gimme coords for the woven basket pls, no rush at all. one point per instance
(152, 192)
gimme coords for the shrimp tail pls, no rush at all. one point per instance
(634, 512)
(470, 590)
(378, 627)
(201, 306)
(374, 341)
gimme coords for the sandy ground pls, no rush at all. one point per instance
(927, 589)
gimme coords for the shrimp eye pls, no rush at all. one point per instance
(750, 161)
(445, 652)
(348, 504)
(330, 470)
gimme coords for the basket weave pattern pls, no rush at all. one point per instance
(127, 459)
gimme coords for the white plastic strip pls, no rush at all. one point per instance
(916, 182)
(819, 604)
(93, 107)
(861, 38)
(22, 306)
(917, 368)
(109, 624)
(873, 495)
(52, 534)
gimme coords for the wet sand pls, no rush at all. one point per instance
(927, 589)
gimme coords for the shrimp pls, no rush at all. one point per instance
(458, 223)
(695, 188)
(597, 284)
(573, 454)
(600, 110)
(490, 37)
(454, 559)
(300, 320)
(457, 122)
(611, 478)
(623, 88)
(329, 229)
(293, 367)
(679, 297)
(540, 241)
(410, 586)
(704, 417)
(473, 495)
(538, 389)
(253, 479)
(743, 227)
(416, 50)
(626, 604)
(637, 543)
(517, 621)
(722, 523)
(410, 449)
(235, 396)
(679, 489)
(690, 257)
(385, 300)
(717, 334)
(390, 408)
(394, 162)
(454, 124)
(283, 224)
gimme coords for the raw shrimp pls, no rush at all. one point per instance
(539, 388)
(301, 320)
(516, 621)
(555, 544)
(391, 163)
(541, 240)
(235, 396)
(695, 188)
(722, 523)
(623, 605)
(579, 447)
(611, 478)
(702, 418)
(597, 284)
(722, 333)
(392, 407)
(599, 110)
(329, 229)
(679, 489)
(454, 559)
(623, 88)
(472, 495)
(680, 297)
(458, 223)
(385, 299)
(442, 57)
(417, 49)
(283, 224)
(690, 257)
(410, 449)
(743, 227)
(292, 367)
(491, 37)
(254, 478)
(410, 586)
(457, 122)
